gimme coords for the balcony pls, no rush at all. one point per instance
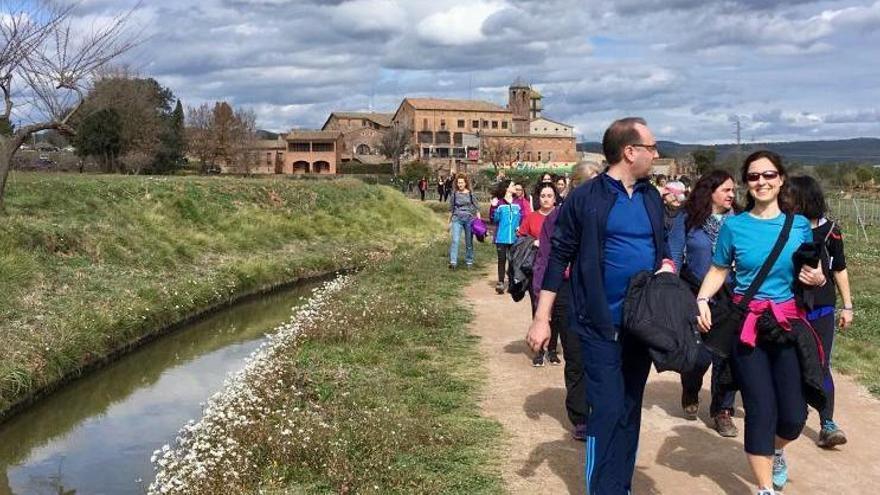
(442, 137)
(426, 137)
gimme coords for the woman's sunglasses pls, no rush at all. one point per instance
(768, 175)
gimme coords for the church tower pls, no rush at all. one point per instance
(519, 103)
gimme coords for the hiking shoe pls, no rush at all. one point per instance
(580, 432)
(469, 266)
(724, 424)
(452, 266)
(538, 361)
(553, 358)
(830, 436)
(780, 470)
(690, 405)
(499, 288)
(766, 491)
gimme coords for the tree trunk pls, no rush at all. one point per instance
(6, 156)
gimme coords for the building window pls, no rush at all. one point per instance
(460, 123)
(443, 123)
(504, 124)
(494, 124)
(539, 156)
(475, 124)
(528, 156)
(299, 147)
(485, 124)
(424, 124)
(268, 158)
(322, 146)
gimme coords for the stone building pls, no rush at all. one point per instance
(442, 130)
(362, 132)
(439, 126)
(299, 152)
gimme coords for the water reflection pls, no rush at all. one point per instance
(97, 434)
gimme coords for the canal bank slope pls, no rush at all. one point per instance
(90, 264)
(371, 388)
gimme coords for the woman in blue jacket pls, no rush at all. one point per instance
(691, 243)
(506, 215)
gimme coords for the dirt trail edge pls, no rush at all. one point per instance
(675, 455)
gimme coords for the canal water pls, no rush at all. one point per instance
(96, 435)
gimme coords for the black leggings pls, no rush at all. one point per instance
(503, 250)
(769, 376)
(824, 326)
(575, 384)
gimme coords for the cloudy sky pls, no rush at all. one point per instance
(788, 69)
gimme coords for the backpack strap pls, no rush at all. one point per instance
(768, 263)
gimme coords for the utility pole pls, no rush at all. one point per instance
(738, 140)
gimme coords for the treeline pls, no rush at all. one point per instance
(132, 124)
(846, 175)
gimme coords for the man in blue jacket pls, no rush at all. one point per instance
(609, 229)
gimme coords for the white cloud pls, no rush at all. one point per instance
(459, 24)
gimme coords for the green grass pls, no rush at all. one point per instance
(857, 350)
(394, 381)
(91, 263)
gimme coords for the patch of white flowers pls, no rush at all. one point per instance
(205, 451)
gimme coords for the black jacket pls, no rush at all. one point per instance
(579, 240)
(660, 310)
(519, 266)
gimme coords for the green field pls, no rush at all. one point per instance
(89, 264)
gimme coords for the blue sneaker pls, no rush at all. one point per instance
(780, 470)
(830, 436)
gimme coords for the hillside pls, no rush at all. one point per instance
(90, 264)
(858, 150)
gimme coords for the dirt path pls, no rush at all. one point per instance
(676, 456)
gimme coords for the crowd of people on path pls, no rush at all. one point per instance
(760, 307)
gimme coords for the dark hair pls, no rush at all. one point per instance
(547, 185)
(804, 196)
(542, 177)
(501, 189)
(619, 134)
(775, 159)
(698, 206)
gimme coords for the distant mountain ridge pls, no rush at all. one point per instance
(856, 150)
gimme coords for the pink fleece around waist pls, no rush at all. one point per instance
(782, 311)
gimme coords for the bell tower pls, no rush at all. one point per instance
(519, 102)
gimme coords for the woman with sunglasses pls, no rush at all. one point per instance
(768, 371)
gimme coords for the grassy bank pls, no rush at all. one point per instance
(857, 350)
(90, 263)
(370, 389)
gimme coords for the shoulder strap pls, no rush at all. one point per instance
(768, 264)
(830, 231)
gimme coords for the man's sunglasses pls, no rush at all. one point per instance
(756, 176)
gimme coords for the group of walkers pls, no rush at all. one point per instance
(762, 279)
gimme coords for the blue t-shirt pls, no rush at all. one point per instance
(629, 244)
(747, 241)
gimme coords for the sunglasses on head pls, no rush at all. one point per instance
(767, 174)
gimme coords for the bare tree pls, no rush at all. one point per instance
(394, 144)
(244, 140)
(199, 134)
(498, 151)
(46, 66)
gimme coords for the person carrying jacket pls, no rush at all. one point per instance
(773, 369)
(507, 215)
(609, 229)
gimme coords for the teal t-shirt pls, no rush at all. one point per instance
(745, 242)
